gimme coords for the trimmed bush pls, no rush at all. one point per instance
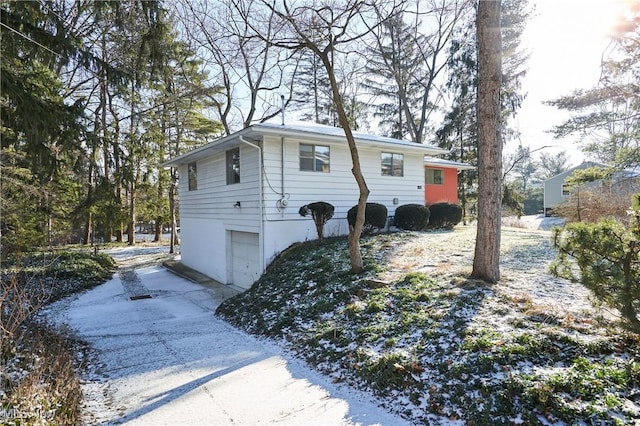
(444, 216)
(375, 217)
(412, 217)
(321, 212)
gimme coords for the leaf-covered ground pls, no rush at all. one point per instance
(50, 276)
(440, 348)
(38, 381)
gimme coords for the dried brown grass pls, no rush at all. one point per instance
(44, 387)
(38, 381)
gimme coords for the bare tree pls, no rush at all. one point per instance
(409, 54)
(327, 29)
(552, 164)
(250, 72)
(486, 261)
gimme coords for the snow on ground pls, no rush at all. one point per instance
(168, 360)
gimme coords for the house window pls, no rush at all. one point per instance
(314, 158)
(233, 166)
(566, 190)
(392, 164)
(193, 176)
(433, 177)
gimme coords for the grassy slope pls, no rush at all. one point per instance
(428, 346)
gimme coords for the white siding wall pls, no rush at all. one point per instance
(285, 226)
(215, 199)
(337, 187)
(553, 191)
(207, 214)
(553, 186)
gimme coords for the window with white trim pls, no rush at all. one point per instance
(192, 174)
(233, 166)
(314, 158)
(392, 164)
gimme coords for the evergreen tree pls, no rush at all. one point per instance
(406, 61)
(41, 157)
(62, 102)
(394, 60)
(458, 131)
(176, 126)
(312, 91)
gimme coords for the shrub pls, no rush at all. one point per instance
(607, 255)
(412, 217)
(321, 212)
(444, 215)
(375, 217)
(595, 195)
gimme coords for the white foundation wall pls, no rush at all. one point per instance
(203, 247)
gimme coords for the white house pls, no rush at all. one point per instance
(240, 196)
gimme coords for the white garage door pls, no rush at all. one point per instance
(245, 258)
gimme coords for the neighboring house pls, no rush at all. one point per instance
(556, 190)
(240, 196)
(441, 180)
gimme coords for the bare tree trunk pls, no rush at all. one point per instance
(355, 255)
(88, 220)
(486, 261)
(131, 229)
(162, 176)
(108, 223)
(172, 213)
(117, 172)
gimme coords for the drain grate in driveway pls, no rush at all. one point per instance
(142, 296)
(132, 285)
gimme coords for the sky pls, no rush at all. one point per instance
(565, 39)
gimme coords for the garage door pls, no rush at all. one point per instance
(245, 258)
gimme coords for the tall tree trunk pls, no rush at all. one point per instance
(108, 223)
(117, 172)
(88, 219)
(131, 229)
(133, 155)
(172, 211)
(486, 261)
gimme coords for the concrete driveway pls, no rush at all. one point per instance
(161, 357)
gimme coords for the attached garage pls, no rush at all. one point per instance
(244, 258)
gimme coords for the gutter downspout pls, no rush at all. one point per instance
(282, 167)
(243, 140)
